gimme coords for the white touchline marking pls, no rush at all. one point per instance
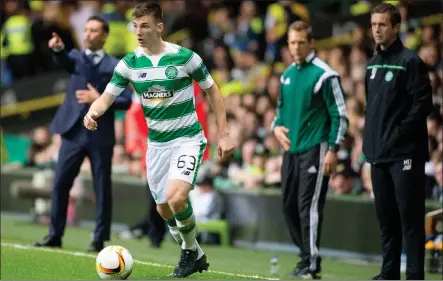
(81, 254)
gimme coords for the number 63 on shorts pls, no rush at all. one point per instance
(172, 163)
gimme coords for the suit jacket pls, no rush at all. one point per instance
(68, 120)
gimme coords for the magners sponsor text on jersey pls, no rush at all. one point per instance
(158, 95)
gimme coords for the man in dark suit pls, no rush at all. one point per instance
(90, 71)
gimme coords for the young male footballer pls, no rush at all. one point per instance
(162, 74)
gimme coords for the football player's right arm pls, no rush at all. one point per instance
(115, 87)
(97, 109)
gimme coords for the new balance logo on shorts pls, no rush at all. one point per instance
(142, 75)
(186, 173)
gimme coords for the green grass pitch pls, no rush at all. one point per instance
(19, 260)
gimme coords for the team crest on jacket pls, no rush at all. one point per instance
(389, 75)
(171, 72)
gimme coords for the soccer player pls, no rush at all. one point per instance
(162, 74)
(311, 124)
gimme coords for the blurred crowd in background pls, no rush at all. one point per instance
(244, 46)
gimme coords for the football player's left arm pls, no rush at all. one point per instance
(226, 143)
(200, 74)
(218, 106)
(198, 71)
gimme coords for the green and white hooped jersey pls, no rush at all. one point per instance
(164, 84)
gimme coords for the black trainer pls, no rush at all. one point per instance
(49, 241)
(186, 265)
(201, 264)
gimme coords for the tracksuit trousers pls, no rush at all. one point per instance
(304, 188)
(400, 206)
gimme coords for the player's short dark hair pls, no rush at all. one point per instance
(302, 26)
(394, 13)
(105, 25)
(148, 9)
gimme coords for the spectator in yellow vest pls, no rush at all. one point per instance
(114, 13)
(18, 40)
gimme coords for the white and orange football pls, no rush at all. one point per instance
(114, 263)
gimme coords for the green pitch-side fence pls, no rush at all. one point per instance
(255, 218)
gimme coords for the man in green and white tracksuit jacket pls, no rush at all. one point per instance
(310, 124)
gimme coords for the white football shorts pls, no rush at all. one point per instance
(163, 164)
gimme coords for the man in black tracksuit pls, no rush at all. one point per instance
(311, 123)
(395, 142)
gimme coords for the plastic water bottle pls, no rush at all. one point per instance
(274, 265)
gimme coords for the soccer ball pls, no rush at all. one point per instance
(114, 263)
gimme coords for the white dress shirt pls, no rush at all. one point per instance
(99, 55)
